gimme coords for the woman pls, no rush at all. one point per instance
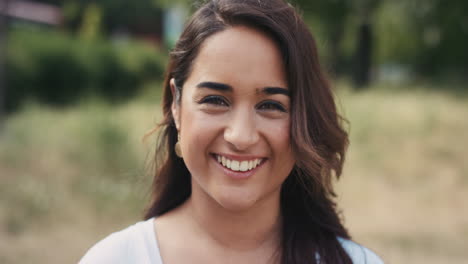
(248, 146)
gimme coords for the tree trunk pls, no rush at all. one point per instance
(363, 56)
(3, 46)
(335, 56)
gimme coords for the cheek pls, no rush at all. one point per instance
(278, 134)
(198, 132)
(280, 142)
(197, 124)
(193, 146)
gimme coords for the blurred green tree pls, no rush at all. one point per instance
(139, 16)
(334, 16)
(442, 30)
(91, 25)
(429, 36)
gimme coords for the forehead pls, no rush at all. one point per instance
(241, 57)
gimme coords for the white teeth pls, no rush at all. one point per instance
(236, 165)
(244, 166)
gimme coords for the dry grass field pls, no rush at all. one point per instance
(70, 177)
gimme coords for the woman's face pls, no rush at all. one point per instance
(234, 120)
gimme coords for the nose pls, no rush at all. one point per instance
(241, 131)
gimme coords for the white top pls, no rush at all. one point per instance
(138, 244)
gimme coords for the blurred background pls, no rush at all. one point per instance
(80, 86)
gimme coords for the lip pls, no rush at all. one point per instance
(238, 174)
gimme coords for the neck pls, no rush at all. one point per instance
(251, 229)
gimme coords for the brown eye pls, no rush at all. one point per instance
(214, 100)
(271, 106)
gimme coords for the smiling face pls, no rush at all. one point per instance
(234, 120)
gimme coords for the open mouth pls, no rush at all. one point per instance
(238, 165)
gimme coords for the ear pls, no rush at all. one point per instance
(175, 108)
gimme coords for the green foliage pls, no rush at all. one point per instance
(42, 65)
(429, 35)
(58, 69)
(142, 16)
(90, 27)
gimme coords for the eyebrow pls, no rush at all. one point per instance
(215, 86)
(275, 90)
(227, 88)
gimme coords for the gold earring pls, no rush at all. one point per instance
(177, 149)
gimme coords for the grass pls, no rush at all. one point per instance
(406, 178)
(71, 176)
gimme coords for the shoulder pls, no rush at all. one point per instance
(359, 254)
(134, 243)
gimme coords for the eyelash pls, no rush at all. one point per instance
(272, 105)
(220, 102)
(214, 100)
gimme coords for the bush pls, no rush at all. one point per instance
(59, 69)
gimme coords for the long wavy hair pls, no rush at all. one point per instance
(311, 224)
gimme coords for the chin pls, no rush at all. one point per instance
(236, 201)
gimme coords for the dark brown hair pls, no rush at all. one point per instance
(311, 225)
